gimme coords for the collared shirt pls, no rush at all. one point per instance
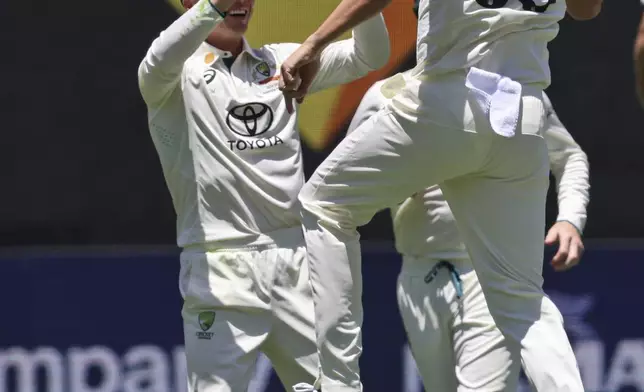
(507, 37)
(230, 152)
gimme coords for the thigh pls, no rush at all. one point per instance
(225, 319)
(500, 213)
(385, 160)
(291, 345)
(235, 278)
(501, 217)
(485, 361)
(425, 312)
(221, 347)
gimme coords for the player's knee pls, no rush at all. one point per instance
(312, 209)
(306, 196)
(315, 211)
(309, 204)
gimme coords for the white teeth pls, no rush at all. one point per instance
(238, 13)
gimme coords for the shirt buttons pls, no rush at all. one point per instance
(227, 55)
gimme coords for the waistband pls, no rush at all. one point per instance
(419, 73)
(291, 237)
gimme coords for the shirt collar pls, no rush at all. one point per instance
(252, 52)
(226, 54)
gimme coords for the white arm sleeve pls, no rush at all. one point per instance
(350, 59)
(569, 165)
(160, 70)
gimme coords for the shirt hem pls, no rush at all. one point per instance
(282, 238)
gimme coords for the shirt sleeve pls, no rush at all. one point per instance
(569, 165)
(160, 70)
(344, 61)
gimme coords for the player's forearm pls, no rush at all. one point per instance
(584, 9)
(573, 187)
(347, 15)
(639, 61)
(165, 58)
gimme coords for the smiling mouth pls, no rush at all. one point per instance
(238, 13)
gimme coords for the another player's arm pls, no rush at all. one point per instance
(160, 70)
(347, 15)
(583, 9)
(569, 165)
(345, 61)
(638, 54)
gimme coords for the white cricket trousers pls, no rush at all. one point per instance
(238, 302)
(456, 345)
(435, 132)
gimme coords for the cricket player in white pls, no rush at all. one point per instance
(451, 333)
(471, 120)
(231, 157)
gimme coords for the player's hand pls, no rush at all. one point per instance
(571, 246)
(298, 72)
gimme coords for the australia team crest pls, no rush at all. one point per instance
(264, 72)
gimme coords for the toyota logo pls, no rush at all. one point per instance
(250, 119)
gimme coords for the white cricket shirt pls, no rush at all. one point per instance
(507, 39)
(424, 226)
(230, 152)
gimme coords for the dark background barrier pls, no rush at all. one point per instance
(109, 320)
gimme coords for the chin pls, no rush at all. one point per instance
(238, 26)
